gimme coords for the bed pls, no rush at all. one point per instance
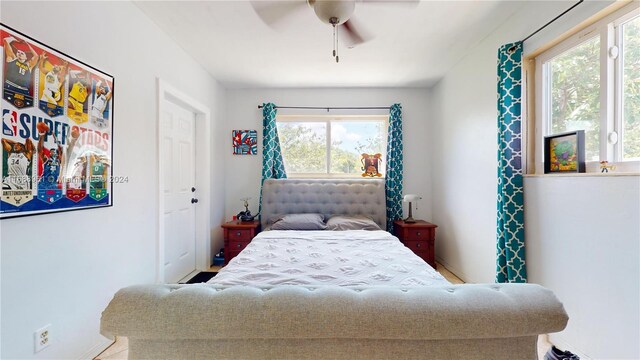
(320, 258)
(312, 294)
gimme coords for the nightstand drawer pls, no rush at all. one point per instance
(235, 245)
(230, 255)
(240, 234)
(420, 237)
(417, 246)
(237, 235)
(419, 234)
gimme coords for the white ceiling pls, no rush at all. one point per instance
(413, 46)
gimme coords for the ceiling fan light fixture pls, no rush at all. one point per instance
(329, 10)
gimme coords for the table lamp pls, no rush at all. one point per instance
(410, 198)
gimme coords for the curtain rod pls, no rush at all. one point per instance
(554, 19)
(331, 108)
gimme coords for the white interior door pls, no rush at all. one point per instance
(178, 169)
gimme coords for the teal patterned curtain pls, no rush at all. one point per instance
(272, 164)
(394, 166)
(510, 230)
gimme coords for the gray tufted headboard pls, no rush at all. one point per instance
(324, 196)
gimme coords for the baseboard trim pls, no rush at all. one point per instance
(97, 349)
(454, 270)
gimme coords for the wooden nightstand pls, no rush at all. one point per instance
(419, 237)
(237, 235)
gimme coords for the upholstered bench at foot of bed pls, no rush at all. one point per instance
(489, 321)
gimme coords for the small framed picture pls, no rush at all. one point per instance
(371, 164)
(245, 142)
(564, 153)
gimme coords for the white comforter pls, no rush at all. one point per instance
(345, 258)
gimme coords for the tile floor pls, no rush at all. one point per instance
(120, 348)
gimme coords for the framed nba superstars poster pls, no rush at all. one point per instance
(57, 130)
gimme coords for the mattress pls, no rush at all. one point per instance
(344, 258)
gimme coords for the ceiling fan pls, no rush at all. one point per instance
(337, 13)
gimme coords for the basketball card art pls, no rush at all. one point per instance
(57, 129)
(20, 59)
(78, 87)
(100, 101)
(52, 74)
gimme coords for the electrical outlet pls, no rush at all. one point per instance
(42, 338)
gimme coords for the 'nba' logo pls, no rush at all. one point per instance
(9, 123)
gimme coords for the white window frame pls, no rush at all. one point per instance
(327, 119)
(609, 31)
(619, 103)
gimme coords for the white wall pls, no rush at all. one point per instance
(464, 113)
(62, 269)
(243, 173)
(464, 196)
(583, 242)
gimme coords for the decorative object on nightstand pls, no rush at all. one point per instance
(418, 236)
(246, 214)
(411, 198)
(237, 235)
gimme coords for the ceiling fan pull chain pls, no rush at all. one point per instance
(336, 36)
(334, 41)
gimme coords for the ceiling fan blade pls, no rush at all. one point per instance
(411, 3)
(353, 33)
(273, 12)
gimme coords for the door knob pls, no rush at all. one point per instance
(194, 201)
(193, 189)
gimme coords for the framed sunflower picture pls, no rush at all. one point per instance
(564, 153)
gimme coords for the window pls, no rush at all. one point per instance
(591, 82)
(330, 146)
(630, 65)
(573, 80)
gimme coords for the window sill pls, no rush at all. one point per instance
(622, 168)
(331, 176)
(589, 174)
